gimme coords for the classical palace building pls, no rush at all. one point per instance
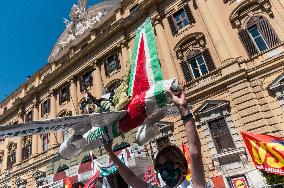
(230, 53)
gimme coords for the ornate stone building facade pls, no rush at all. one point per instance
(230, 53)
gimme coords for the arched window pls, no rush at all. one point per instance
(27, 147)
(258, 36)
(197, 64)
(196, 60)
(11, 158)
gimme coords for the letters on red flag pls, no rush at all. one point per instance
(267, 152)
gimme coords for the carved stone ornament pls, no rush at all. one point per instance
(20, 182)
(39, 174)
(246, 9)
(6, 186)
(196, 40)
(82, 19)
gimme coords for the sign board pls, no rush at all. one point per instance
(239, 182)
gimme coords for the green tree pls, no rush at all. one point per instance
(272, 179)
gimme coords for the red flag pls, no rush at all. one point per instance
(68, 183)
(150, 176)
(92, 182)
(186, 154)
(267, 152)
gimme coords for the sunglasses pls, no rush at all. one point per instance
(168, 165)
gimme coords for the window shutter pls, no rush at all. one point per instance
(106, 69)
(186, 72)
(91, 77)
(172, 25)
(81, 83)
(268, 32)
(48, 105)
(41, 108)
(117, 60)
(209, 61)
(189, 14)
(60, 97)
(248, 43)
(68, 93)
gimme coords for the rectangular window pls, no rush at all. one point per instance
(112, 63)
(221, 135)
(198, 66)
(180, 18)
(134, 9)
(258, 38)
(45, 107)
(29, 116)
(45, 141)
(64, 95)
(86, 81)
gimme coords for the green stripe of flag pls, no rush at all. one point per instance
(157, 72)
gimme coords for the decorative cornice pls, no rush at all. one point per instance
(246, 8)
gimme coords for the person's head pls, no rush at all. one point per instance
(171, 164)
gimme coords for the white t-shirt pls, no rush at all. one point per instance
(184, 184)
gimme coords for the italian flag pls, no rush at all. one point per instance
(146, 85)
(145, 70)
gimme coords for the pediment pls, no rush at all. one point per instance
(82, 20)
(211, 105)
(277, 83)
(245, 8)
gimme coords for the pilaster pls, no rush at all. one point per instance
(125, 55)
(53, 112)
(213, 31)
(222, 29)
(5, 157)
(74, 96)
(19, 141)
(35, 137)
(168, 61)
(98, 83)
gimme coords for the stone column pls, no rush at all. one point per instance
(5, 157)
(214, 33)
(74, 96)
(125, 55)
(40, 144)
(53, 66)
(35, 137)
(19, 151)
(98, 82)
(52, 135)
(168, 61)
(222, 29)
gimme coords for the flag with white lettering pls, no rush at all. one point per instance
(267, 152)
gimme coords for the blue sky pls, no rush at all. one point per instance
(28, 31)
